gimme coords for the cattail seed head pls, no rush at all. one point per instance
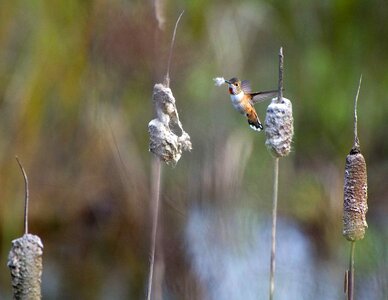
(279, 128)
(355, 196)
(167, 138)
(25, 264)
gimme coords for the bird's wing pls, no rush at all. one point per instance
(261, 96)
(246, 86)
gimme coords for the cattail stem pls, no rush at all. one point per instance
(356, 140)
(25, 257)
(355, 201)
(156, 178)
(167, 79)
(280, 85)
(350, 274)
(356, 147)
(273, 235)
(26, 196)
(279, 131)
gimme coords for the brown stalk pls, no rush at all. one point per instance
(26, 196)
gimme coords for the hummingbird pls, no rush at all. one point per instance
(243, 100)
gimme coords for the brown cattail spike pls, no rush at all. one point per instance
(355, 189)
(355, 197)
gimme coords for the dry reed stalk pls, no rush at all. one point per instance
(25, 258)
(355, 200)
(279, 131)
(155, 196)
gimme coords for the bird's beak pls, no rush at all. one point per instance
(227, 81)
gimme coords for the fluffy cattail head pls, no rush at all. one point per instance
(355, 196)
(279, 123)
(167, 138)
(279, 128)
(25, 263)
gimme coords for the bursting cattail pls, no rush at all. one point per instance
(167, 138)
(355, 189)
(279, 123)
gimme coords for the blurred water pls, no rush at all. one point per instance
(230, 252)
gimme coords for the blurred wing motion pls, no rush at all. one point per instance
(246, 87)
(261, 96)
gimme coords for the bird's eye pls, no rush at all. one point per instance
(236, 84)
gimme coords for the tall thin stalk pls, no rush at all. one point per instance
(279, 130)
(350, 274)
(273, 235)
(167, 147)
(156, 174)
(275, 191)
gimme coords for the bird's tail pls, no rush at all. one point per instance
(254, 121)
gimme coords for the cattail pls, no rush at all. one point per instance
(355, 189)
(25, 264)
(167, 141)
(167, 138)
(355, 196)
(279, 128)
(25, 258)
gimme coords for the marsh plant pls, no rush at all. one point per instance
(167, 142)
(25, 258)
(279, 130)
(355, 201)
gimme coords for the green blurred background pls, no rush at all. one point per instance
(76, 81)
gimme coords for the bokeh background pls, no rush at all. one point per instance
(76, 81)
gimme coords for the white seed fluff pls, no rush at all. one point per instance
(218, 81)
